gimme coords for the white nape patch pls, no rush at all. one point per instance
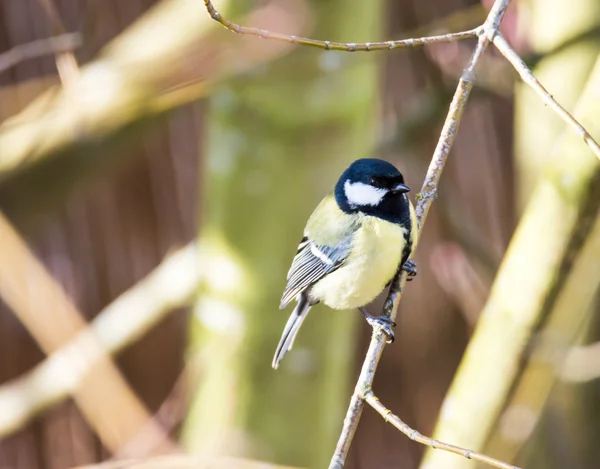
(359, 194)
(320, 254)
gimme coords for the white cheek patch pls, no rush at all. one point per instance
(360, 194)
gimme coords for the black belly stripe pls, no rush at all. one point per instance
(407, 246)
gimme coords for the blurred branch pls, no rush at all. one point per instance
(105, 398)
(124, 86)
(567, 320)
(170, 414)
(546, 281)
(186, 462)
(582, 364)
(458, 277)
(65, 60)
(169, 286)
(39, 48)
(341, 46)
(414, 435)
(529, 78)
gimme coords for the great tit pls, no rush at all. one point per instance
(354, 243)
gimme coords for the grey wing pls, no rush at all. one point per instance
(312, 262)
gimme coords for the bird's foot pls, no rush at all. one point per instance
(380, 322)
(411, 269)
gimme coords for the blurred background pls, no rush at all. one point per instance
(156, 172)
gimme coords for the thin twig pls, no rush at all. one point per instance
(414, 435)
(39, 48)
(428, 192)
(529, 78)
(341, 46)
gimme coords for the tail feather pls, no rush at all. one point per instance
(291, 328)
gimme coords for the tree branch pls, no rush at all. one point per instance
(169, 286)
(341, 46)
(491, 30)
(31, 50)
(38, 301)
(488, 32)
(414, 435)
(529, 78)
(121, 88)
(425, 198)
(544, 288)
(66, 63)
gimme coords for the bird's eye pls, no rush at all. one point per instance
(375, 182)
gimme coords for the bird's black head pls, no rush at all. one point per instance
(374, 187)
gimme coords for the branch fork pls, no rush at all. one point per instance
(486, 34)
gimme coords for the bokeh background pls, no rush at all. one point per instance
(167, 140)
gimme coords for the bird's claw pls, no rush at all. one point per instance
(411, 269)
(380, 322)
(383, 323)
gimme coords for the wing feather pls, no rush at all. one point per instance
(312, 262)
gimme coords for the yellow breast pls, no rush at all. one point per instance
(376, 254)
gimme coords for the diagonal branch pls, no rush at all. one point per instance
(66, 63)
(72, 132)
(529, 78)
(362, 391)
(39, 48)
(341, 46)
(487, 33)
(428, 192)
(129, 317)
(491, 30)
(414, 435)
(542, 294)
(38, 301)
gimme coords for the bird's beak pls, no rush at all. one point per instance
(401, 188)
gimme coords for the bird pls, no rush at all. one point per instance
(354, 242)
